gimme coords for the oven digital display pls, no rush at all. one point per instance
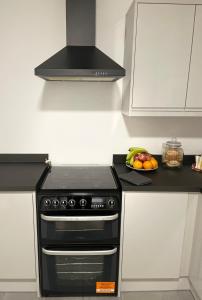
(97, 200)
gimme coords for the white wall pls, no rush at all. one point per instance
(74, 122)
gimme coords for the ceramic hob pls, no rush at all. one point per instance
(80, 178)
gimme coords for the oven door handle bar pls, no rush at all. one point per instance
(79, 253)
(78, 218)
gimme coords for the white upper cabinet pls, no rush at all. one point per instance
(194, 96)
(163, 46)
(158, 52)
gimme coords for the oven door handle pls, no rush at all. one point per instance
(78, 218)
(79, 253)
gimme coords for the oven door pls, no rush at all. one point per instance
(80, 271)
(100, 229)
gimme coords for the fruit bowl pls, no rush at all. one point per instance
(140, 159)
(141, 170)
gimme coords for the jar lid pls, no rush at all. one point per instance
(174, 143)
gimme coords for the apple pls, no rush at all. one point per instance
(136, 157)
(148, 156)
(143, 156)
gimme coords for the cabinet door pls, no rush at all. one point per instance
(153, 235)
(163, 47)
(194, 95)
(195, 274)
(17, 256)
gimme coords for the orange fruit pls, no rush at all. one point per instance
(147, 165)
(154, 163)
(137, 164)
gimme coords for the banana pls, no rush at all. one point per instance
(134, 151)
(130, 154)
(132, 160)
(131, 149)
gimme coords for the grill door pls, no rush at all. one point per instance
(102, 229)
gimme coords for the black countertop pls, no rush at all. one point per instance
(21, 172)
(163, 179)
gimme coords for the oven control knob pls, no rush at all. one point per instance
(46, 202)
(72, 202)
(63, 203)
(83, 202)
(55, 202)
(111, 203)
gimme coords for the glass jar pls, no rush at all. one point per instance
(172, 154)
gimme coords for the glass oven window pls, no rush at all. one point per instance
(79, 226)
(77, 268)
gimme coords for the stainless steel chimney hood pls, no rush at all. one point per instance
(80, 60)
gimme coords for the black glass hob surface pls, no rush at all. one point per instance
(80, 178)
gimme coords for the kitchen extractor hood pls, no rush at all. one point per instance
(80, 60)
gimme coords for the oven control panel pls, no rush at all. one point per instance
(68, 202)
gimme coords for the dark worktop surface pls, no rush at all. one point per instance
(163, 179)
(21, 172)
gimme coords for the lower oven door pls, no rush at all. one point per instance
(79, 271)
(100, 229)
